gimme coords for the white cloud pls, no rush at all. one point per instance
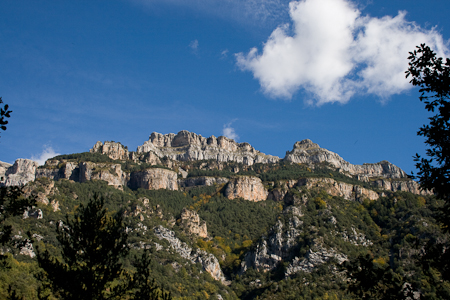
(47, 153)
(229, 131)
(224, 54)
(194, 45)
(333, 52)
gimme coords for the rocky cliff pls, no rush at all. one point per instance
(111, 173)
(307, 152)
(20, 173)
(202, 181)
(208, 261)
(114, 150)
(279, 245)
(192, 224)
(154, 179)
(188, 146)
(340, 189)
(174, 150)
(246, 187)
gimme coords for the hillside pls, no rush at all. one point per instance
(225, 221)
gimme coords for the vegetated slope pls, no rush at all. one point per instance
(290, 246)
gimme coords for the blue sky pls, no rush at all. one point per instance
(266, 72)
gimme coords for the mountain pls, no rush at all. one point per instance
(225, 221)
(175, 154)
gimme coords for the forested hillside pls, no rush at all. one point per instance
(219, 229)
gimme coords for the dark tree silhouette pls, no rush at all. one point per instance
(432, 75)
(4, 113)
(370, 280)
(92, 245)
(12, 202)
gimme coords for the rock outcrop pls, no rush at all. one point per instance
(274, 248)
(20, 173)
(277, 248)
(202, 181)
(59, 169)
(400, 185)
(42, 189)
(170, 149)
(114, 150)
(307, 152)
(208, 261)
(187, 146)
(191, 223)
(3, 168)
(154, 179)
(312, 259)
(246, 187)
(340, 189)
(111, 173)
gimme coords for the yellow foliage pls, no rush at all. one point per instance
(247, 243)
(422, 201)
(380, 261)
(321, 204)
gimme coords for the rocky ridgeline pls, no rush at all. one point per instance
(307, 152)
(188, 146)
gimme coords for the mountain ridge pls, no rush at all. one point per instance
(165, 161)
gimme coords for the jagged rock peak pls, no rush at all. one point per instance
(307, 152)
(186, 138)
(186, 146)
(306, 144)
(114, 150)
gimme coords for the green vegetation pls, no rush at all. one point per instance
(385, 236)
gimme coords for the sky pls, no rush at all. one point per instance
(265, 72)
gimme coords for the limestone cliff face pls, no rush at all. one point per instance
(59, 169)
(19, 174)
(208, 261)
(42, 190)
(191, 223)
(3, 168)
(114, 150)
(111, 173)
(400, 185)
(277, 247)
(154, 179)
(187, 146)
(307, 152)
(202, 181)
(341, 189)
(246, 187)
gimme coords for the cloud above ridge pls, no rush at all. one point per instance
(229, 131)
(47, 153)
(333, 52)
